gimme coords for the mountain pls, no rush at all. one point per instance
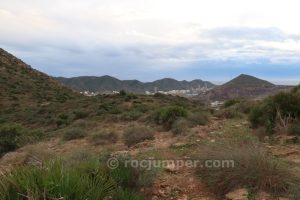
(108, 83)
(243, 86)
(24, 90)
(247, 81)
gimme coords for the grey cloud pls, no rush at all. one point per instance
(245, 33)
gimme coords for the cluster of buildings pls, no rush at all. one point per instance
(92, 94)
(185, 93)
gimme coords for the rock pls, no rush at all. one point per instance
(183, 197)
(119, 153)
(266, 139)
(263, 196)
(171, 168)
(155, 198)
(285, 152)
(178, 145)
(143, 144)
(239, 194)
(14, 158)
(291, 139)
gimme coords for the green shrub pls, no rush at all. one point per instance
(63, 120)
(128, 195)
(73, 134)
(284, 104)
(294, 192)
(108, 108)
(294, 129)
(10, 137)
(131, 115)
(122, 93)
(180, 126)
(129, 97)
(229, 113)
(245, 106)
(13, 136)
(137, 134)
(104, 137)
(168, 115)
(132, 178)
(81, 123)
(254, 167)
(80, 114)
(256, 116)
(56, 180)
(231, 102)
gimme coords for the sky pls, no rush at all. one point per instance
(212, 40)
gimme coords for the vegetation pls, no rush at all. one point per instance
(254, 167)
(87, 179)
(43, 109)
(231, 102)
(294, 129)
(168, 115)
(73, 134)
(137, 134)
(199, 118)
(229, 112)
(277, 112)
(104, 137)
(108, 83)
(180, 126)
(13, 136)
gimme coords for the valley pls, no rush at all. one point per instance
(56, 143)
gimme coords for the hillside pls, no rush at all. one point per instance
(24, 90)
(246, 81)
(108, 83)
(243, 86)
(57, 144)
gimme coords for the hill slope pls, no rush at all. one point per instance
(24, 90)
(104, 83)
(246, 81)
(243, 86)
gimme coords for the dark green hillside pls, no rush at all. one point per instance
(244, 80)
(245, 87)
(24, 91)
(108, 83)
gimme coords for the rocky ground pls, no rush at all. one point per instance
(171, 182)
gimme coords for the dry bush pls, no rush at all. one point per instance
(198, 118)
(180, 126)
(254, 167)
(73, 134)
(137, 134)
(229, 113)
(104, 137)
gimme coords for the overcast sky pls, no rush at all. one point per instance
(150, 39)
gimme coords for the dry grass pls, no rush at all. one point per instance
(254, 167)
(137, 134)
(104, 137)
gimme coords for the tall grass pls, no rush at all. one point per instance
(56, 180)
(74, 179)
(254, 167)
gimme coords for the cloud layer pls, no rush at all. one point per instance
(146, 39)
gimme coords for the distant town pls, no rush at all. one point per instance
(185, 93)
